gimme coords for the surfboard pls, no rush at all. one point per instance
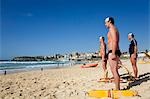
(143, 62)
(89, 65)
(115, 94)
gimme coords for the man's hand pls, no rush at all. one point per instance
(134, 56)
(113, 56)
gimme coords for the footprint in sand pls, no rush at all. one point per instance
(7, 88)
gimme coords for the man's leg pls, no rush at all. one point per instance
(104, 65)
(119, 63)
(134, 65)
(114, 70)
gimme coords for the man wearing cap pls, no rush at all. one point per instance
(103, 55)
(133, 53)
(113, 50)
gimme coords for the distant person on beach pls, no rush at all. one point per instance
(133, 53)
(113, 50)
(103, 55)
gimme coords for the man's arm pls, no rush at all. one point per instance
(135, 48)
(102, 50)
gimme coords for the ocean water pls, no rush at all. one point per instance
(15, 66)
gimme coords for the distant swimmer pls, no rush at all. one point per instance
(133, 53)
(113, 50)
(103, 55)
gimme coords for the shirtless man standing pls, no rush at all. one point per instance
(114, 52)
(103, 55)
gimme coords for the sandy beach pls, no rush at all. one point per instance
(69, 83)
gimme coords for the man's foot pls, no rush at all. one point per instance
(136, 78)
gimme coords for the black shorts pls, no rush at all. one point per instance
(105, 60)
(106, 56)
(117, 52)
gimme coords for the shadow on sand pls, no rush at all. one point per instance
(142, 78)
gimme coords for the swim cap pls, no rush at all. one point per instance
(131, 34)
(109, 19)
(101, 37)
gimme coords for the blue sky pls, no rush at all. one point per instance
(48, 27)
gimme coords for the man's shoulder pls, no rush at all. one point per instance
(134, 42)
(113, 30)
